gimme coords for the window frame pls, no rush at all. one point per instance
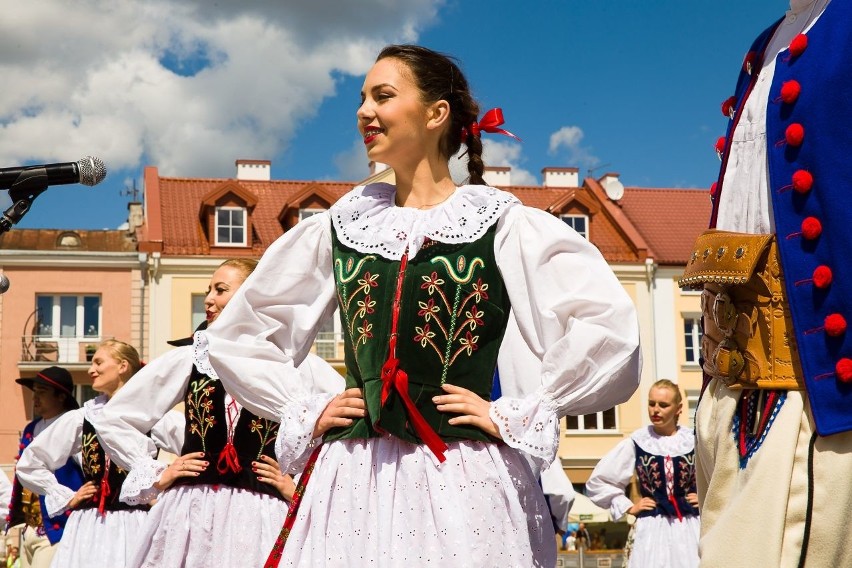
(216, 226)
(568, 220)
(599, 420)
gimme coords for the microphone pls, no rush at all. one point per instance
(88, 171)
(4, 284)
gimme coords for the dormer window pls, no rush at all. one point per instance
(305, 213)
(231, 226)
(579, 223)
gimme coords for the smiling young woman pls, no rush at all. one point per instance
(412, 464)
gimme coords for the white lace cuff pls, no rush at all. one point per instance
(619, 506)
(56, 501)
(138, 487)
(298, 419)
(200, 355)
(529, 424)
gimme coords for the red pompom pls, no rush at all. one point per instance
(843, 368)
(56, 526)
(713, 189)
(811, 228)
(729, 105)
(798, 45)
(790, 91)
(720, 146)
(835, 325)
(795, 134)
(803, 181)
(822, 276)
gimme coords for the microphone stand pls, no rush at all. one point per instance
(29, 185)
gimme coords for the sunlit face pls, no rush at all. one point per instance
(47, 402)
(663, 410)
(107, 372)
(224, 283)
(392, 117)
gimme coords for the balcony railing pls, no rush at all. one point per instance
(58, 349)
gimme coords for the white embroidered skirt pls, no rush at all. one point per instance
(201, 527)
(97, 541)
(386, 503)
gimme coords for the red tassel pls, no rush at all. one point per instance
(228, 459)
(748, 62)
(720, 146)
(105, 491)
(713, 189)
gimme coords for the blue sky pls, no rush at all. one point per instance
(604, 85)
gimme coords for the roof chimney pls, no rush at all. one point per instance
(254, 170)
(614, 188)
(560, 177)
(135, 216)
(497, 176)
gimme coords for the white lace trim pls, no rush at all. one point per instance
(367, 220)
(138, 488)
(294, 434)
(200, 355)
(678, 444)
(529, 424)
(56, 502)
(92, 408)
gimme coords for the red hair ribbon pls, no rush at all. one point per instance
(490, 123)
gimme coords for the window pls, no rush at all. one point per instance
(579, 223)
(305, 213)
(605, 420)
(199, 311)
(326, 341)
(231, 226)
(68, 316)
(692, 339)
(83, 393)
(692, 396)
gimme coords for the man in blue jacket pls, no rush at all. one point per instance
(53, 395)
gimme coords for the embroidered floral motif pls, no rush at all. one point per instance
(266, 430)
(456, 319)
(648, 473)
(91, 457)
(361, 295)
(199, 405)
(686, 473)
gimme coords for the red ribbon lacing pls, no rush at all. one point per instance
(395, 378)
(490, 123)
(105, 489)
(669, 468)
(228, 459)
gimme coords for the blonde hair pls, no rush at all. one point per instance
(245, 265)
(667, 384)
(121, 351)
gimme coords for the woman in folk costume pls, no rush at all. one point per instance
(101, 531)
(662, 457)
(224, 497)
(416, 466)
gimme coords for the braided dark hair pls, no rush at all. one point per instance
(438, 77)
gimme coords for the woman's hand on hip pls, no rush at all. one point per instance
(470, 407)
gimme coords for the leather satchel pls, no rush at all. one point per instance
(748, 339)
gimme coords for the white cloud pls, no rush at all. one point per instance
(494, 153)
(353, 164)
(568, 139)
(188, 85)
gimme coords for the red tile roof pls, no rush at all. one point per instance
(65, 240)
(669, 219)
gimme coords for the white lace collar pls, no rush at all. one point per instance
(92, 408)
(367, 220)
(680, 443)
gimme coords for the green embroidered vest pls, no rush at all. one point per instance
(453, 313)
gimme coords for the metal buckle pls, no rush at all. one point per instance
(724, 314)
